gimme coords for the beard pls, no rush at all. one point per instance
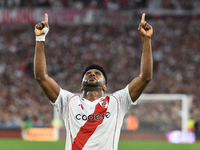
(86, 83)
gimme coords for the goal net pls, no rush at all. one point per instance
(154, 116)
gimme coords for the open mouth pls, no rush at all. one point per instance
(91, 78)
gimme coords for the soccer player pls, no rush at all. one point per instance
(93, 121)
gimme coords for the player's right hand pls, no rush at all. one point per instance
(39, 28)
(145, 29)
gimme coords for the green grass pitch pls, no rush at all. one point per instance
(18, 144)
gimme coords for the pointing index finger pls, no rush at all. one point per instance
(143, 17)
(46, 17)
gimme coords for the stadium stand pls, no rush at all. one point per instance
(69, 49)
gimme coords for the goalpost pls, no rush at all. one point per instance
(185, 102)
(185, 107)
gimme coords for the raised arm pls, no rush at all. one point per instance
(48, 85)
(138, 84)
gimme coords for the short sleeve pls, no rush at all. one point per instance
(61, 102)
(124, 99)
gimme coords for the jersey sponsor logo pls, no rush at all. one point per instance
(81, 106)
(104, 103)
(93, 116)
(89, 126)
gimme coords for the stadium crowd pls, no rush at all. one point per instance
(184, 4)
(75, 4)
(101, 4)
(116, 48)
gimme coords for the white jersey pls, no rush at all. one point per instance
(93, 125)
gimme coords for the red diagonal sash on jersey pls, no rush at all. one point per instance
(88, 128)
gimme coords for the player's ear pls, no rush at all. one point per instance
(104, 87)
(81, 89)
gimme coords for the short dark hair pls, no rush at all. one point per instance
(95, 66)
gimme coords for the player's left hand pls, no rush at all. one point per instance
(39, 28)
(144, 28)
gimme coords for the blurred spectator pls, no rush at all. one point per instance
(43, 3)
(168, 4)
(186, 4)
(13, 3)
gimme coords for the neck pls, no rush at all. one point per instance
(92, 95)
